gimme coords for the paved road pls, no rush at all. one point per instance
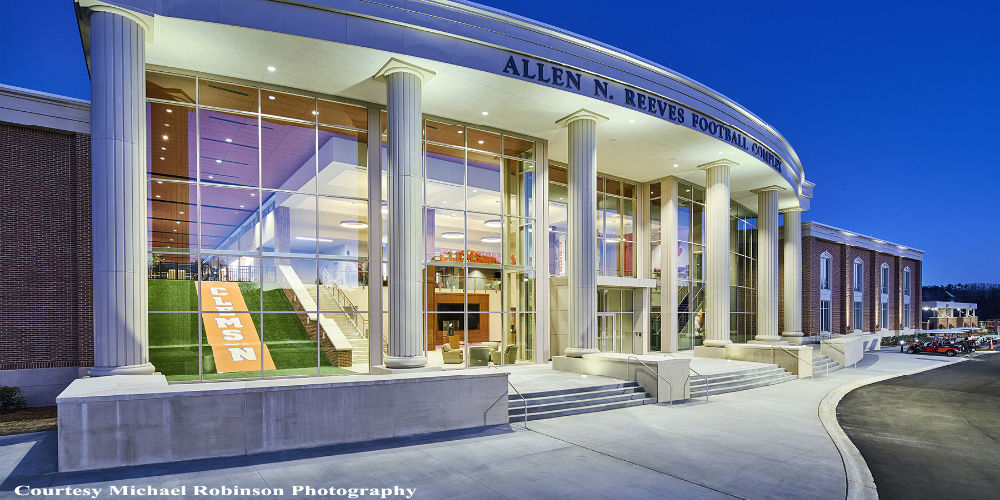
(933, 435)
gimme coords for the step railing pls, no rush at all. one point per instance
(524, 402)
(356, 317)
(835, 348)
(812, 372)
(654, 372)
(702, 377)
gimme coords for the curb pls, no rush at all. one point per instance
(860, 483)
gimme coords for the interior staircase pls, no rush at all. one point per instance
(359, 356)
(738, 380)
(563, 402)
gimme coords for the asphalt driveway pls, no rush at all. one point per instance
(932, 435)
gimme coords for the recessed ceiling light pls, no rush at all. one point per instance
(164, 148)
(253, 194)
(182, 213)
(241, 206)
(475, 190)
(271, 68)
(171, 239)
(485, 113)
(452, 235)
(353, 224)
(493, 223)
(315, 112)
(166, 124)
(631, 121)
(159, 182)
(157, 196)
(164, 137)
(229, 139)
(480, 141)
(218, 161)
(177, 222)
(211, 177)
(271, 97)
(460, 132)
(169, 110)
(676, 165)
(490, 239)
(175, 230)
(162, 158)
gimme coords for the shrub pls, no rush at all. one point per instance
(11, 399)
(894, 340)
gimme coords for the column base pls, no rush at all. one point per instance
(716, 343)
(792, 334)
(404, 361)
(769, 341)
(704, 351)
(104, 371)
(578, 352)
(384, 370)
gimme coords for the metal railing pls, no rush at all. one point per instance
(702, 377)
(523, 401)
(654, 372)
(844, 353)
(353, 314)
(812, 365)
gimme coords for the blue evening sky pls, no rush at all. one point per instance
(891, 106)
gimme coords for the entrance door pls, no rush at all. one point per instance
(608, 338)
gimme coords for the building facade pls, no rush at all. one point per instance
(853, 283)
(281, 189)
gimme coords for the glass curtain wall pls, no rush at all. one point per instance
(616, 202)
(691, 271)
(478, 224)
(257, 231)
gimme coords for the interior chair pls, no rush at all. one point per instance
(451, 356)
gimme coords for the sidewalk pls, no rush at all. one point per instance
(761, 443)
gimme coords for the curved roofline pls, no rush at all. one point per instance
(629, 57)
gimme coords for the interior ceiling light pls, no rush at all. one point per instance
(211, 177)
(242, 206)
(162, 158)
(164, 137)
(490, 239)
(453, 235)
(493, 223)
(169, 110)
(159, 182)
(480, 141)
(164, 148)
(157, 196)
(353, 224)
(315, 112)
(271, 68)
(218, 161)
(310, 238)
(460, 132)
(485, 113)
(229, 139)
(271, 97)
(676, 165)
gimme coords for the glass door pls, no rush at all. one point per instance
(608, 337)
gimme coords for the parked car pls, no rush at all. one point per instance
(945, 348)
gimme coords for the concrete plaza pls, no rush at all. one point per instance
(761, 443)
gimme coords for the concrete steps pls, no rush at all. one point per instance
(822, 362)
(563, 402)
(738, 380)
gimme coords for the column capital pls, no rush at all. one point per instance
(722, 162)
(767, 189)
(144, 22)
(397, 66)
(581, 114)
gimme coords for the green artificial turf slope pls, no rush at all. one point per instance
(173, 337)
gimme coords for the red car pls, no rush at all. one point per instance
(939, 347)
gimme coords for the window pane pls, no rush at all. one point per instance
(227, 95)
(520, 148)
(343, 162)
(484, 183)
(288, 155)
(483, 141)
(173, 345)
(172, 283)
(229, 218)
(344, 115)
(229, 152)
(287, 105)
(343, 228)
(445, 133)
(289, 285)
(171, 215)
(444, 235)
(170, 87)
(172, 135)
(445, 177)
(289, 224)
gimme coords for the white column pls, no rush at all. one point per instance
(793, 273)
(767, 264)
(541, 238)
(118, 146)
(717, 252)
(582, 269)
(668, 265)
(405, 160)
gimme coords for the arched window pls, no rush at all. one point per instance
(825, 271)
(858, 278)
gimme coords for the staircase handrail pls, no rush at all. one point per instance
(811, 365)
(702, 377)
(345, 303)
(830, 345)
(657, 373)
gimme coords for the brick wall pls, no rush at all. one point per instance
(46, 316)
(842, 295)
